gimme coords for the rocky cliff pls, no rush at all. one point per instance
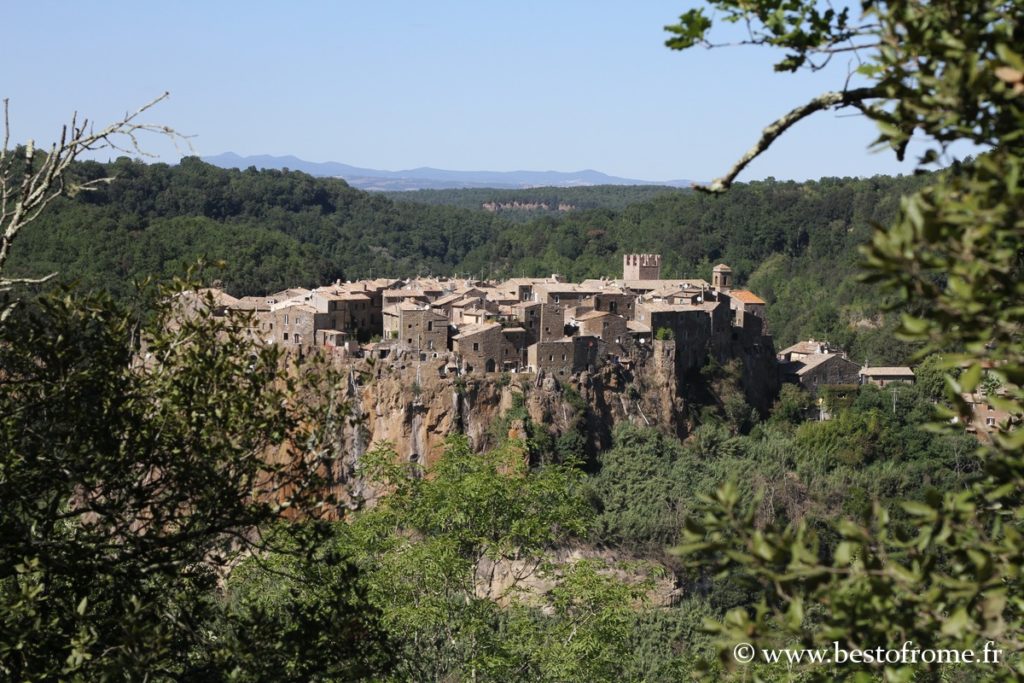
(414, 402)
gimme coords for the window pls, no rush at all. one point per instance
(476, 346)
(556, 298)
(286, 320)
(563, 356)
(430, 344)
(990, 421)
(286, 336)
(430, 325)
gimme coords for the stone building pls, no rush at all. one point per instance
(883, 376)
(985, 418)
(721, 277)
(416, 328)
(295, 325)
(745, 304)
(489, 347)
(607, 326)
(542, 322)
(819, 370)
(616, 302)
(802, 350)
(641, 267)
(564, 356)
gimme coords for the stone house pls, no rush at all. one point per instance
(542, 322)
(883, 376)
(802, 350)
(745, 304)
(616, 302)
(294, 326)
(351, 312)
(985, 418)
(608, 327)
(416, 328)
(488, 347)
(564, 356)
(819, 370)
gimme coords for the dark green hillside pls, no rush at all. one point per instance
(272, 228)
(794, 243)
(578, 198)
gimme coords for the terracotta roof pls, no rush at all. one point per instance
(476, 328)
(448, 298)
(289, 293)
(298, 306)
(887, 371)
(809, 364)
(807, 347)
(592, 314)
(746, 296)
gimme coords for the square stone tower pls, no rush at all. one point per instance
(641, 267)
(721, 277)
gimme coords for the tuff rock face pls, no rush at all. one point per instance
(415, 403)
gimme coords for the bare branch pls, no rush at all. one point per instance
(41, 183)
(6, 283)
(778, 127)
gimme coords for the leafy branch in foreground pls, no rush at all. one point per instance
(130, 478)
(943, 572)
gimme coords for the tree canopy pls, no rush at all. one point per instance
(947, 72)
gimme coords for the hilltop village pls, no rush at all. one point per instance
(544, 325)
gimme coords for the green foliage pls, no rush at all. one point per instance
(942, 571)
(641, 505)
(128, 476)
(297, 614)
(792, 406)
(454, 562)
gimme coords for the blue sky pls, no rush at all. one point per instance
(457, 84)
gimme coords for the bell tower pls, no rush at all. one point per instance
(721, 277)
(641, 267)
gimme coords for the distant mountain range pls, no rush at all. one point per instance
(431, 178)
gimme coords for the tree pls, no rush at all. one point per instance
(29, 184)
(462, 564)
(949, 72)
(140, 453)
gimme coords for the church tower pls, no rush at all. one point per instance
(641, 267)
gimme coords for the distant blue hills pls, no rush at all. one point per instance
(431, 178)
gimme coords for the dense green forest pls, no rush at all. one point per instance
(793, 243)
(571, 198)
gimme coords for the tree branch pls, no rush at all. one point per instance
(777, 128)
(22, 200)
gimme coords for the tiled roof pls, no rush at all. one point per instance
(887, 371)
(746, 296)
